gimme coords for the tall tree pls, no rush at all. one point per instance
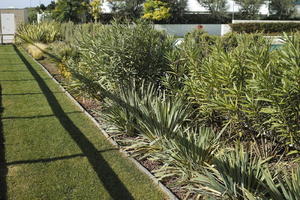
(128, 8)
(41, 7)
(71, 10)
(32, 14)
(249, 8)
(282, 9)
(217, 8)
(51, 6)
(177, 8)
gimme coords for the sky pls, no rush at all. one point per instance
(22, 3)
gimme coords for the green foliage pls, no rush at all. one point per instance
(196, 46)
(234, 175)
(287, 187)
(251, 88)
(32, 15)
(62, 50)
(180, 105)
(95, 9)
(70, 32)
(217, 8)
(160, 123)
(177, 9)
(201, 38)
(45, 32)
(122, 116)
(121, 52)
(156, 10)
(36, 50)
(265, 27)
(186, 154)
(282, 9)
(51, 6)
(70, 10)
(127, 9)
(249, 8)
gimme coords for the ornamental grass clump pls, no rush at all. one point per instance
(46, 32)
(36, 50)
(162, 131)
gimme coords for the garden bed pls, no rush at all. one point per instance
(93, 107)
(213, 117)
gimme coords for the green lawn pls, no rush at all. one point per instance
(49, 149)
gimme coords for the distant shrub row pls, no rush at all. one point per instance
(265, 27)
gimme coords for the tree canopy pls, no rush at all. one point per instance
(282, 9)
(249, 8)
(128, 8)
(217, 8)
(156, 10)
(71, 10)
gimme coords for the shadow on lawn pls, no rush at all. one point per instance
(106, 175)
(46, 160)
(3, 166)
(29, 93)
(38, 116)
(9, 71)
(22, 80)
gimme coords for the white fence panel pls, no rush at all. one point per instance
(8, 27)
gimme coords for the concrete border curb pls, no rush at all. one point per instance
(166, 190)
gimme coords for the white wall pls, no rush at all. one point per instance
(8, 27)
(297, 10)
(182, 29)
(106, 6)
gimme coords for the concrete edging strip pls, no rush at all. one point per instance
(170, 195)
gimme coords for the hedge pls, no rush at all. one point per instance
(265, 27)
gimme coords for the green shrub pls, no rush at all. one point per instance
(70, 31)
(118, 53)
(265, 27)
(200, 36)
(287, 187)
(187, 154)
(36, 50)
(45, 32)
(235, 175)
(155, 114)
(123, 117)
(235, 83)
(251, 88)
(183, 59)
(161, 126)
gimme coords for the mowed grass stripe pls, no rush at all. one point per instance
(51, 149)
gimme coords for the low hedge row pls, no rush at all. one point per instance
(265, 27)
